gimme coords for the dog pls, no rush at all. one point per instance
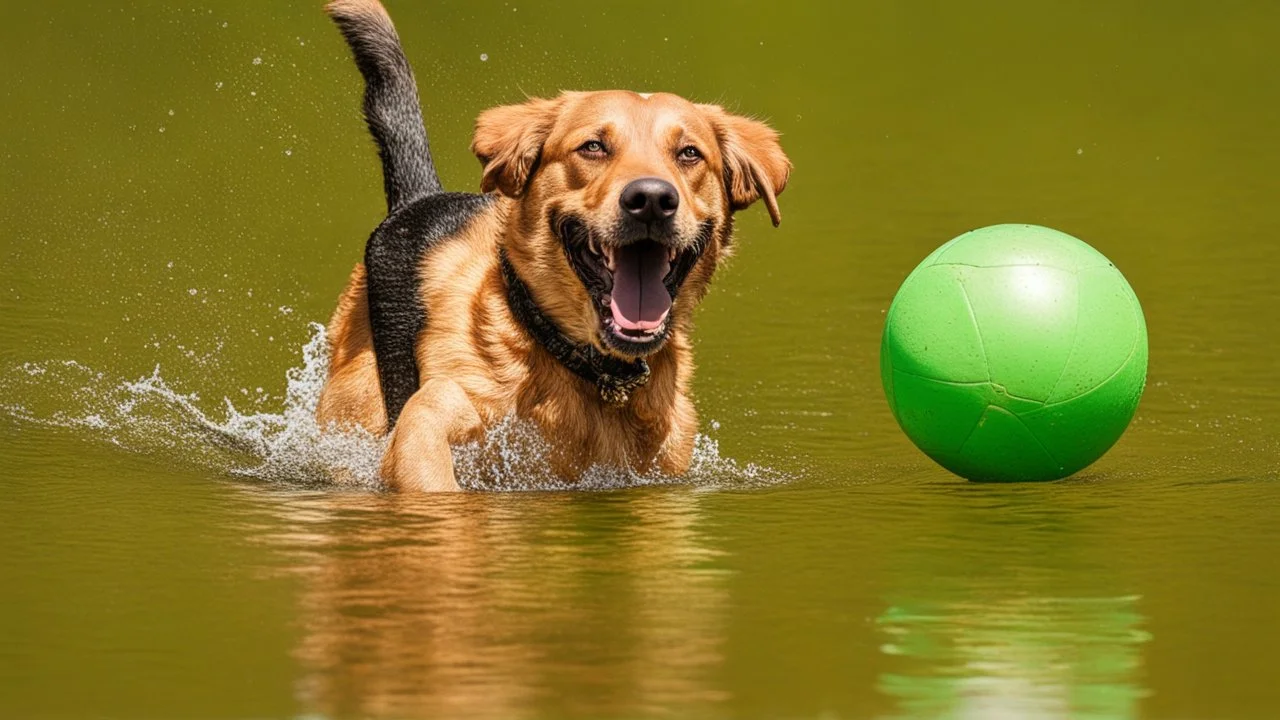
(562, 294)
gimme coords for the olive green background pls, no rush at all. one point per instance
(187, 186)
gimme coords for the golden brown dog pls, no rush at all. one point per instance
(563, 295)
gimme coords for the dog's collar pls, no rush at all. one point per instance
(613, 377)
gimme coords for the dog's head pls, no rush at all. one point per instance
(624, 205)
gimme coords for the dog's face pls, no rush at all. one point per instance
(624, 205)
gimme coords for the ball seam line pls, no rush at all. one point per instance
(1075, 338)
(977, 327)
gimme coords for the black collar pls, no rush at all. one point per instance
(615, 378)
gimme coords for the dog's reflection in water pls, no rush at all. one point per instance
(504, 604)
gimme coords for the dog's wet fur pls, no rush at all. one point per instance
(614, 209)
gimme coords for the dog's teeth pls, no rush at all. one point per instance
(608, 258)
(671, 254)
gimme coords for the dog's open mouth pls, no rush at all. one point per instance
(639, 301)
(633, 285)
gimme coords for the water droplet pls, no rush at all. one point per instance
(1079, 151)
(192, 291)
(484, 57)
(257, 61)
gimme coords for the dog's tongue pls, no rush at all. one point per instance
(640, 300)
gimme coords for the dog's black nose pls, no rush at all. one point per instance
(649, 199)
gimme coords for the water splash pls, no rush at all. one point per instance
(152, 416)
(513, 456)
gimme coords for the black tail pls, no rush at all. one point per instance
(390, 100)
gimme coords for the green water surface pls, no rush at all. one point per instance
(186, 187)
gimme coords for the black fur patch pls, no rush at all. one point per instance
(392, 260)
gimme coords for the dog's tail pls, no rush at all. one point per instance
(390, 100)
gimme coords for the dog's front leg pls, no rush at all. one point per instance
(418, 458)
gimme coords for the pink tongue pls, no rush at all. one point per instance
(640, 301)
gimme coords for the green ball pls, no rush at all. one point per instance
(1014, 353)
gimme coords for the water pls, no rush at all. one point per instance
(150, 417)
(185, 188)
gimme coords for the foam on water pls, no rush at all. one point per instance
(153, 416)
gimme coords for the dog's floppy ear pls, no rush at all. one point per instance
(509, 140)
(754, 165)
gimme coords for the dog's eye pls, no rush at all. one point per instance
(593, 148)
(689, 154)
